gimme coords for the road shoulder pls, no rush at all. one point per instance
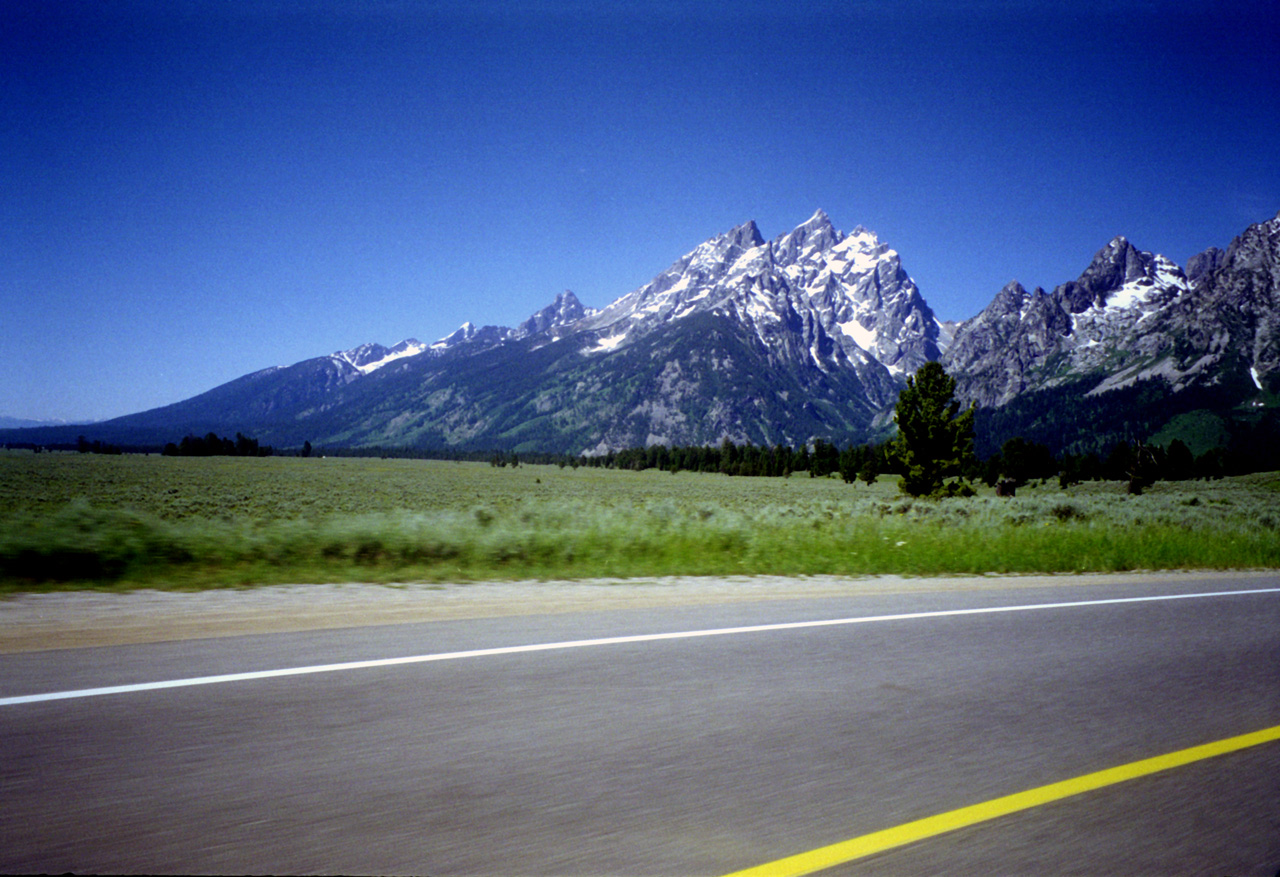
(82, 619)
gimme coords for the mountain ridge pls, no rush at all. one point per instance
(810, 334)
(1130, 316)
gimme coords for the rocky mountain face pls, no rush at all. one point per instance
(1235, 316)
(1130, 345)
(811, 295)
(1131, 316)
(808, 335)
(1093, 325)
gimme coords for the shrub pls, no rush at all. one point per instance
(1067, 512)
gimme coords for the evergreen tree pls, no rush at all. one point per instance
(800, 461)
(1021, 461)
(935, 438)
(826, 459)
(1179, 464)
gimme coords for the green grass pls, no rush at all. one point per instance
(71, 520)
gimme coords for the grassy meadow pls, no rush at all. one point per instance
(83, 520)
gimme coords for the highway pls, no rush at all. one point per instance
(612, 748)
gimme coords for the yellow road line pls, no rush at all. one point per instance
(878, 841)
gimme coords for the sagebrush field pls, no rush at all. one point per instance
(76, 520)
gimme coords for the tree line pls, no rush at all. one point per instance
(746, 460)
(1019, 461)
(213, 445)
(84, 446)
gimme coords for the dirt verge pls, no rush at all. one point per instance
(81, 619)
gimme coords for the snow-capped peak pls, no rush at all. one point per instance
(1153, 286)
(465, 332)
(848, 293)
(370, 357)
(408, 347)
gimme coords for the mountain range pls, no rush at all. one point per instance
(809, 335)
(7, 422)
(1130, 346)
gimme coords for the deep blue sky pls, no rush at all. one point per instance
(190, 191)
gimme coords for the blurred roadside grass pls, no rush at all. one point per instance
(71, 520)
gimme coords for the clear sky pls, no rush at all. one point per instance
(191, 190)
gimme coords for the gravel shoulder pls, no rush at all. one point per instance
(82, 619)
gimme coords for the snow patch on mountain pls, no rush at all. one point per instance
(369, 358)
(863, 337)
(409, 347)
(606, 344)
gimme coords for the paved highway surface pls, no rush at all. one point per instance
(692, 755)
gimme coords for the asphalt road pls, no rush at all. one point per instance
(698, 755)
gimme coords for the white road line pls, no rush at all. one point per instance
(587, 643)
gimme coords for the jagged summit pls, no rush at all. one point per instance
(1132, 316)
(843, 300)
(1116, 265)
(465, 332)
(816, 232)
(746, 235)
(565, 310)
